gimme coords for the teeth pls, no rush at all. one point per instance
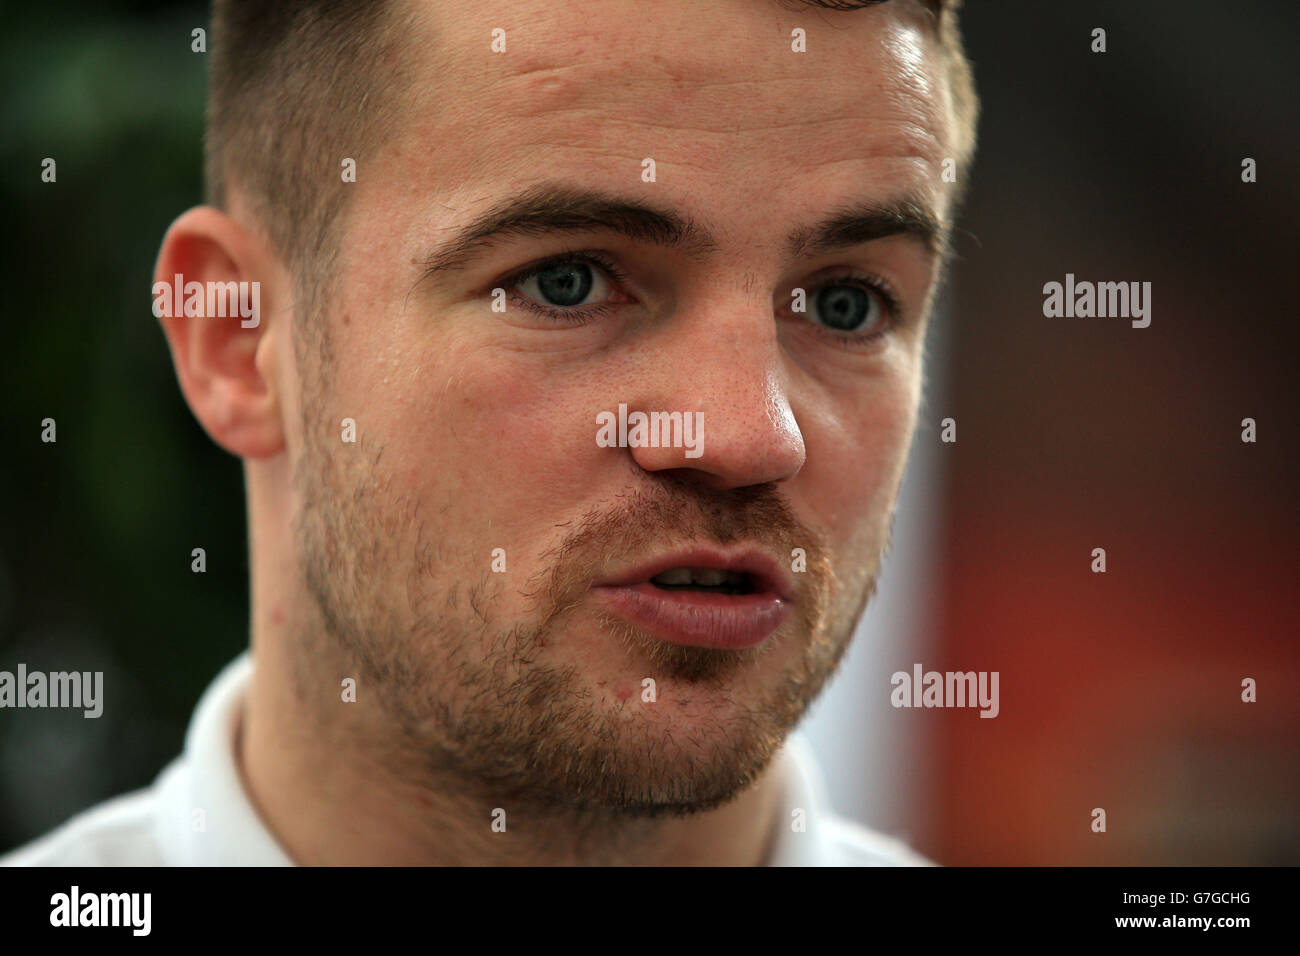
(700, 577)
(674, 576)
(708, 577)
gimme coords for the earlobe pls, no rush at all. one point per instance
(216, 285)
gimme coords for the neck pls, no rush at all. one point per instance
(338, 792)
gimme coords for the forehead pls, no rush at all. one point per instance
(712, 92)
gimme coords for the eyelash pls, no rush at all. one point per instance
(874, 283)
(572, 316)
(893, 306)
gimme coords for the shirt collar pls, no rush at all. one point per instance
(209, 820)
(800, 838)
(208, 817)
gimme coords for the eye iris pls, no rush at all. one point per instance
(565, 284)
(843, 307)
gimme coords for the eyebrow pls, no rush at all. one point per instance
(546, 210)
(860, 222)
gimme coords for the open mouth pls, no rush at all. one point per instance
(709, 580)
(703, 596)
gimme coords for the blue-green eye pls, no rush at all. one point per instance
(848, 308)
(565, 284)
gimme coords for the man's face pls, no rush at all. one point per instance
(526, 669)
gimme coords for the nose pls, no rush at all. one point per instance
(728, 377)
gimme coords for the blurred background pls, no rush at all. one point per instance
(1119, 690)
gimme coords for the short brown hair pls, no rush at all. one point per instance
(295, 87)
(298, 85)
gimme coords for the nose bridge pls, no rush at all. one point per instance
(727, 367)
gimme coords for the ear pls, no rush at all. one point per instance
(221, 336)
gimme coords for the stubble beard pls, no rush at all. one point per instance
(480, 706)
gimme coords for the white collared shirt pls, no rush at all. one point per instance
(197, 813)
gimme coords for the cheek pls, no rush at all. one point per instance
(857, 459)
(500, 442)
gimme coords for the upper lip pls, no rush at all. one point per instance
(766, 572)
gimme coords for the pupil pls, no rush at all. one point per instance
(843, 307)
(566, 284)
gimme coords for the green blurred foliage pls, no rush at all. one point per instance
(97, 529)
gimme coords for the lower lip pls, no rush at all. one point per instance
(698, 618)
